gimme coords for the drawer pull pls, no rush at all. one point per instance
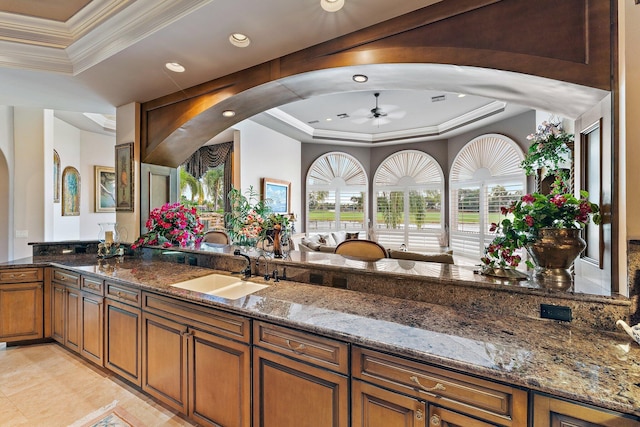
(297, 349)
(119, 294)
(438, 386)
(435, 420)
(419, 414)
(18, 276)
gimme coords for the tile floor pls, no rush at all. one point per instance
(46, 385)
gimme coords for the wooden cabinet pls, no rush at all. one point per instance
(292, 386)
(453, 399)
(197, 360)
(66, 308)
(551, 412)
(376, 407)
(21, 304)
(164, 360)
(123, 333)
(92, 320)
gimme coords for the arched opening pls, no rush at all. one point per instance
(5, 205)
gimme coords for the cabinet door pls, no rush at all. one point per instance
(92, 328)
(164, 360)
(58, 310)
(552, 412)
(441, 417)
(377, 407)
(288, 393)
(21, 316)
(123, 333)
(72, 319)
(220, 380)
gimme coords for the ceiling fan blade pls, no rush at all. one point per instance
(361, 120)
(381, 121)
(397, 115)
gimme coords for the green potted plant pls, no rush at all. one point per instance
(547, 225)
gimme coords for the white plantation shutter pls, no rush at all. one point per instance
(337, 188)
(408, 187)
(485, 175)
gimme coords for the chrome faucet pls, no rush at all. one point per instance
(247, 271)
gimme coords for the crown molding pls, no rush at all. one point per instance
(95, 33)
(36, 58)
(402, 136)
(142, 18)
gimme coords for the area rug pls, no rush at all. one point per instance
(111, 415)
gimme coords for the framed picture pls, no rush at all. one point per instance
(56, 177)
(124, 177)
(105, 188)
(70, 192)
(277, 193)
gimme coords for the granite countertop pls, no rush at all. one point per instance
(587, 365)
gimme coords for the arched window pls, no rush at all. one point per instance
(485, 175)
(408, 188)
(337, 188)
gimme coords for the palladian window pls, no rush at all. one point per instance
(337, 188)
(485, 175)
(408, 188)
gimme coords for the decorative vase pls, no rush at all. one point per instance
(553, 254)
(277, 247)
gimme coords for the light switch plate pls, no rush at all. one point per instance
(22, 234)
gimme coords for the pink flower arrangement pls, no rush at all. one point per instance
(172, 224)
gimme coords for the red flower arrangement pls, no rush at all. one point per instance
(525, 217)
(172, 224)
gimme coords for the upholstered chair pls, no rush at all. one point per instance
(366, 250)
(216, 236)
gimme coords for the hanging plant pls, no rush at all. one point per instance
(549, 149)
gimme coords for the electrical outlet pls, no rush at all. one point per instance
(22, 234)
(555, 312)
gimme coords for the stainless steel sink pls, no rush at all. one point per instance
(220, 285)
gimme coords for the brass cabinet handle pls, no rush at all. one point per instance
(17, 276)
(119, 294)
(438, 386)
(419, 414)
(435, 420)
(297, 349)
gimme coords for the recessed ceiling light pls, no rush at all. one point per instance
(332, 5)
(228, 113)
(175, 67)
(461, 95)
(360, 78)
(328, 119)
(239, 40)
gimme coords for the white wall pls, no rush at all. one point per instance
(66, 141)
(29, 179)
(6, 183)
(95, 150)
(266, 153)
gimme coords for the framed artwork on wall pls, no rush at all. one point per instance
(105, 188)
(278, 194)
(124, 177)
(70, 192)
(56, 177)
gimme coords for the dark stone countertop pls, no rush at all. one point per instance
(586, 365)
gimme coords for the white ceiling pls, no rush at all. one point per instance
(112, 52)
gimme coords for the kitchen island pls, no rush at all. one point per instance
(529, 356)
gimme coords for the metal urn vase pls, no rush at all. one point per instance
(553, 254)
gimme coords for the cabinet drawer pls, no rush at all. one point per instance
(209, 319)
(66, 278)
(19, 275)
(310, 348)
(123, 293)
(90, 284)
(491, 401)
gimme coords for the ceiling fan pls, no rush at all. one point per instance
(380, 114)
